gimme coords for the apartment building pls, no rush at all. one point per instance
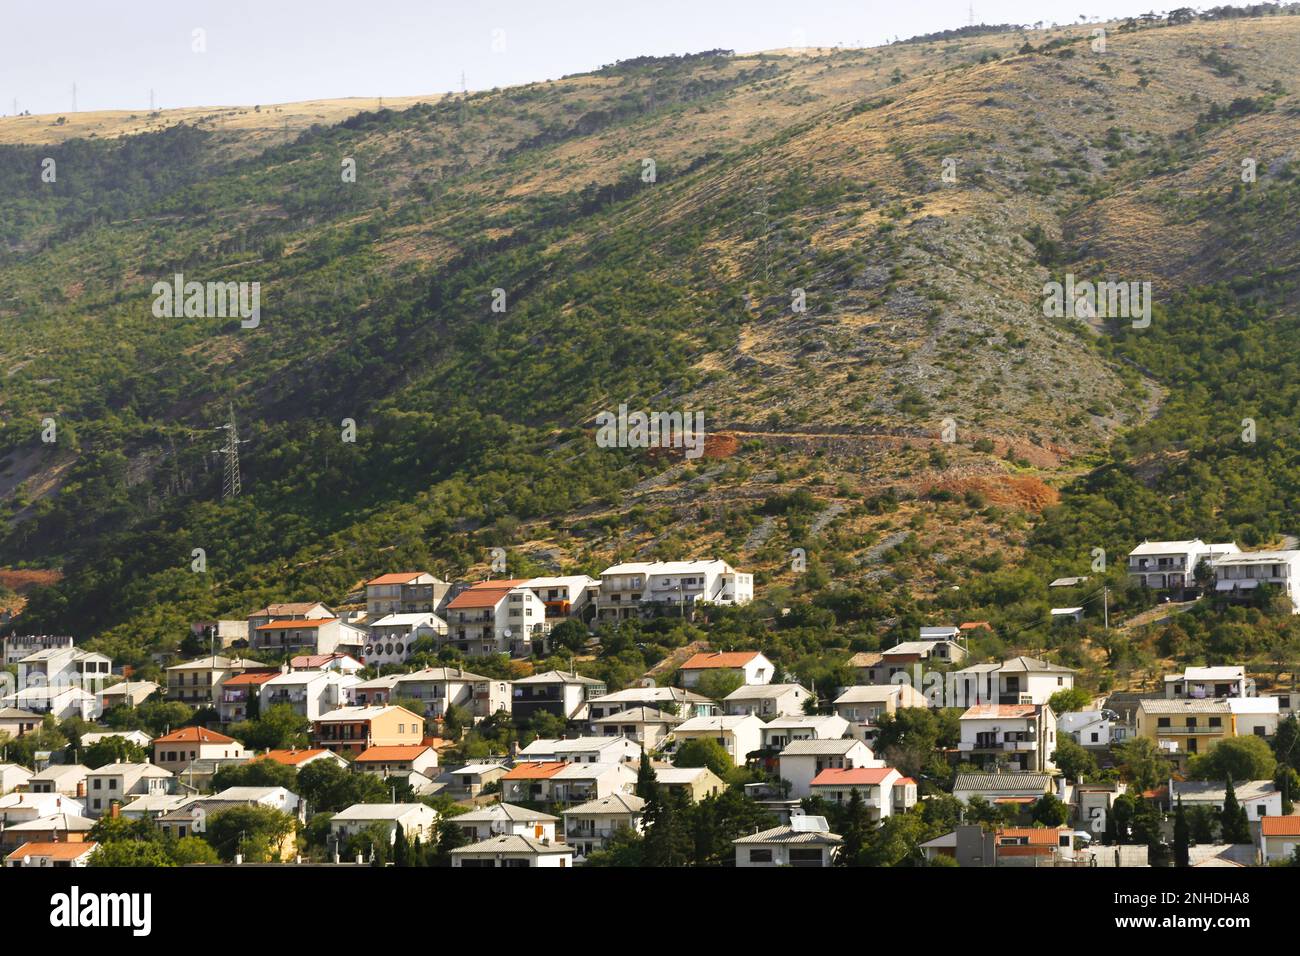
(645, 588)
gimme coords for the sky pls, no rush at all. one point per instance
(275, 51)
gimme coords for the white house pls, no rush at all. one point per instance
(404, 592)
(441, 688)
(415, 819)
(123, 783)
(1199, 682)
(1091, 728)
(678, 700)
(767, 700)
(61, 700)
(1021, 680)
(17, 646)
(583, 750)
(181, 748)
(802, 760)
(739, 736)
(1237, 575)
(1261, 798)
(559, 782)
(42, 854)
(778, 733)
(1278, 838)
(863, 705)
(806, 841)
(1254, 715)
(308, 693)
(12, 777)
(496, 617)
(506, 819)
(589, 826)
(68, 779)
(561, 693)
(65, 667)
(391, 636)
(326, 635)
(513, 850)
(396, 760)
(1019, 736)
(882, 790)
(1171, 565)
(751, 666)
(645, 725)
(639, 588)
(127, 693)
(566, 596)
(1017, 788)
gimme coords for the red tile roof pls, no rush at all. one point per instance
(252, 677)
(397, 752)
(313, 661)
(846, 777)
(57, 851)
(480, 596)
(295, 623)
(1280, 826)
(1037, 836)
(903, 781)
(190, 735)
(711, 659)
(534, 771)
(292, 758)
(396, 577)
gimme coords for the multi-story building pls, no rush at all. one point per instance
(65, 667)
(392, 636)
(751, 666)
(1201, 682)
(404, 592)
(1171, 565)
(180, 749)
(496, 617)
(308, 693)
(563, 694)
(675, 700)
(739, 736)
(238, 699)
(17, 646)
(441, 688)
(325, 635)
(123, 783)
(293, 611)
(1021, 680)
(643, 588)
(198, 682)
(356, 729)
(1017, 736)
(1236, 576)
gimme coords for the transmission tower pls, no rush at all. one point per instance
(230, 454)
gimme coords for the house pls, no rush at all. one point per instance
(441, 688)
(127, 693)
(1031, 846)
(12, 777)
(240, 695)
(1018, 736)
(325, 635)
(675, 700)
(137, 737)
(300, 611)
(221, 634)
(806, 841)
(873, 785)
(66, 827)
(767, 700)
(375, 692)
(469, 781)
(1021, 680)
(404, 592)
(696, 782)
(570, 596)
(1237, 575)
(153, 806)
(644, 588)
(14, 721)
(645, 725)
(277, 798)
(65, 667)
(307, 693)
(1092, 728)
(563, 694)
(945, 633)
(802, 760)
(1185, 725)
(302, 758)
(392, 636)
(778, 733)
(751, 666)
(21, 807)
(52, 854)
(864, 662)
(198, 682)
(1278, 838)
(68, 779)
(559, 782)
(506, 819)
(1260, 798)
(389, 761)
(589, 826)
(910, 658)
(739, 736)
(512, 850)
(338, 661)
(862, 706)
(60, 701)
(496, 617)
(1203, 682)
(121, 783)
(1254, 715)
(1172, 565)
(354, 729)
(583, 750)
(178, 750)
(17, 646)
(415, 819)
(1003, 788)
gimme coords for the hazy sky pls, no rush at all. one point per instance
(273, 51)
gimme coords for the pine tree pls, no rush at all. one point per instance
(856, 826)
(668, 838)
(647, 784)
(1182, 837)
(401, 849)
(1232, 822)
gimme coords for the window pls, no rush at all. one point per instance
(760, 856)
(1216, 721)
(1162, 722)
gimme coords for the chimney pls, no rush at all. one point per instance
(81, 789)
(115, 809)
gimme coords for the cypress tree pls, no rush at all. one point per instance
(1182, 837)
(1232, 822)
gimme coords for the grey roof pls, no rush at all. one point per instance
(1002, 782)
(209, 806)
(558, 677)
(511, 843)
(788, 834)
(763, 691)
(377, 811)
(839, 745)
(1033, 664)
(1180, 705)
(1217, 790)
(55, 821)
(508, 811)
(643, 715)
(614, 803)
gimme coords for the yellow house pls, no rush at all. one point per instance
(1185, 726)
(358, 728)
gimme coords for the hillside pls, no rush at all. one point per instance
(820, 171)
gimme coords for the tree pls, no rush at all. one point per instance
(1182, 837)
(130, 853)
(716, 685)
(255, 831)
(450, 836)
(704, 752)
(1202, 820)
(113, 750)
(625, 848)
(280, 728)
(1049, 811)
(570, 634)
(1141, 762)
(1068, 700)
(1073, 760)
(647, 784)
(401, 849)
(720, 818)
(1286, 742)
(191, 850)
(256, 773)
(1239, 758)
(856, 829)
(667, 840)
(1232, 820)
(327, 786)
(897, 842)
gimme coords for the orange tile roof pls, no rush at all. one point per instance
(711, 659)
(534, 771)
(1037, 836)
(251, 677)
(190, 735)
(1001, 710)
(396, 752)
(396, 577)
(296, 622)
(971, 625)
(848, 776)
(903, 781)
(57, 851)
(478, 596)
(292, 758)
(314, 661)
(1280, 826)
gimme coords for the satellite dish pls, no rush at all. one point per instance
(507, 632)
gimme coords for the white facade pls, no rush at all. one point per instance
(1201, 682)
(752, 667)
(802, 760)
(1171, 565)
(779, 733)
(739, 736)
(1089, 728)
(767, 700)
(638, 587)
(391, 636)
(309, 693)
(495, 617)
(1237, 575)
